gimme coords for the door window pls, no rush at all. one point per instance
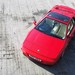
(70, 26)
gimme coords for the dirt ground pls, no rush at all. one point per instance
(13, 31)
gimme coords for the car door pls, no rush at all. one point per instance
(70, 31)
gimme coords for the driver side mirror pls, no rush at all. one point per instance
(34, 22)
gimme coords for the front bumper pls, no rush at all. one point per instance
(39, 58)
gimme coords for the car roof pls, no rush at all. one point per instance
(63, 10)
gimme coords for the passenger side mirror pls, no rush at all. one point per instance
(34, 22)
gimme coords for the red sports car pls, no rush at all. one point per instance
(47, 41)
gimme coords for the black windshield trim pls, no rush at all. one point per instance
(50, 34)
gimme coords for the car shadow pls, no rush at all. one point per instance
(66, 65)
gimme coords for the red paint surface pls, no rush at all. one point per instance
(44, 47)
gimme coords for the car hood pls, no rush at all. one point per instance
(43, 44)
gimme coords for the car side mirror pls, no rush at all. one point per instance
(34, 22)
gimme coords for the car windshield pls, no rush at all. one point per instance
(52, 28)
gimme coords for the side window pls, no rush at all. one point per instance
(70, 26)
(73, 21)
